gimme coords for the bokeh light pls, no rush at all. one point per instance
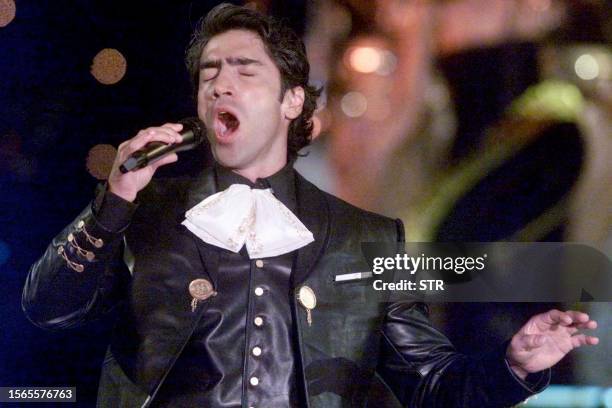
(586, 67)
(388, 63)
(364, 59)
(100, 160)
(7, 12)
(109, 66)
(354, 104)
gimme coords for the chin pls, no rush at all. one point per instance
(226, 159)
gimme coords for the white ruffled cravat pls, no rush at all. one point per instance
(240, 215)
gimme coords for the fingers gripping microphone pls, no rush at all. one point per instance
(193, 134)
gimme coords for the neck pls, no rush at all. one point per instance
(253, 174)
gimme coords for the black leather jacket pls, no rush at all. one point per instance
(358, 350)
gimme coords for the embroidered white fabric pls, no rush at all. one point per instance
(240, 215)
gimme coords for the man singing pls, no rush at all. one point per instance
(225, 282)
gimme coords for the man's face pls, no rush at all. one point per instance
(239, 101)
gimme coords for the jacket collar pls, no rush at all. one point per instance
(282, 183)
(312, 210)
(202, 186)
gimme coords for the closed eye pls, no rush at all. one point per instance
(208, 74)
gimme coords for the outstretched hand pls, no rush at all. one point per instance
(546, 338)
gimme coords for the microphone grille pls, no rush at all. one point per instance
(195, 125)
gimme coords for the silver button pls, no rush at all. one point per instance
(259, 291)
(259, 263)
(258, 321)
(256, 351)
(254, 381)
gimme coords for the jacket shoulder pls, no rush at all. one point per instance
(344, 213)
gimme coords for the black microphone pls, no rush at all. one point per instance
(193, 134)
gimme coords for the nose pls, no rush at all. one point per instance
(223, 84)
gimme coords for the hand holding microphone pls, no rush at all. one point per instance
(138, 158)
(191, 133)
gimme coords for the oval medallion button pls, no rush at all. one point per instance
(307, 298)
(201, 289)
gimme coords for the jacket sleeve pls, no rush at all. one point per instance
(82, 273)
(425, 370)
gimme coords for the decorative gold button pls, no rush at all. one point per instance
(200, 289)
(258, 321)
(259, 263)
(254, 381)
(307, 297)
(308, 300)
(98, 243)
(256, 351)
(259, 291)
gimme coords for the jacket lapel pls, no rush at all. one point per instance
(202, 187)
(313, 211)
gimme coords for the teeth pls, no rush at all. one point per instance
(225, 115)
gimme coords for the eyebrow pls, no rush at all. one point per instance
(234, 61)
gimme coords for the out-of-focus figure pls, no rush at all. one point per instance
(454, 151)
(476, 120)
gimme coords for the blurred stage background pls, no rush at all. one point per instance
(474, 120)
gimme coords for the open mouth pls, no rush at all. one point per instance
(225, 124)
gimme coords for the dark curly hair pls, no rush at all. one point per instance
(283, 46)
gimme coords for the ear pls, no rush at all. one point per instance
(293, 102)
